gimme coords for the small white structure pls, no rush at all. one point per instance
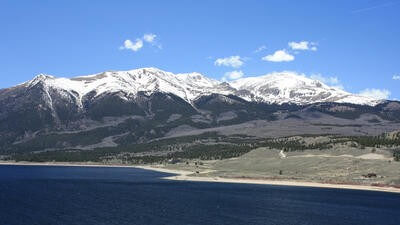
(282, 154)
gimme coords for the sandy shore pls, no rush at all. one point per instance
(182, 175)
(185, 176)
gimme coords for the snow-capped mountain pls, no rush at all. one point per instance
(282, 87)
(290, 87)
(187, 86)
(135, 106)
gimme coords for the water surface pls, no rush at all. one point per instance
(95, 195)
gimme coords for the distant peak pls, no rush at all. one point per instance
(39, 78)
(42, 76)
(150, 69)
(193, 75)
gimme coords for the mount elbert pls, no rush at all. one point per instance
(114, 109)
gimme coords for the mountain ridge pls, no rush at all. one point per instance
(277, 87)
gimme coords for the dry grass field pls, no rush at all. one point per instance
(340, 164)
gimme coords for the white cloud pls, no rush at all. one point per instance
(233, 61)
(233, 75)
(149, 37)
(396, 77)
(128, 44)
(138, 44)
(279, 56)
(303, 45)
(261, 48)
(375, 93)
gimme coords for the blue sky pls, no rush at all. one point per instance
(354, 44)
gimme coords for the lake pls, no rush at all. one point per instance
(97, 195)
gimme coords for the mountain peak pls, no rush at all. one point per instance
(291, 87)
(39, 78)
(285, 79)
(42, 76)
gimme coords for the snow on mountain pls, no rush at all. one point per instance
(283, 87)
(188, 86)
(290, 87)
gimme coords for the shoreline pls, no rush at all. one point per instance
(185, 176)
(182, 175)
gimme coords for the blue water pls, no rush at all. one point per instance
(84, 195)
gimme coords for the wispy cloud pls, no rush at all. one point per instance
(233, 75)
(396, 77)
(375, 93)
(260, 49)
(232, 61)
(152, 39)
(138, 44)
(303, 45)
(149, 37)
(279, 56)
(382, 5)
